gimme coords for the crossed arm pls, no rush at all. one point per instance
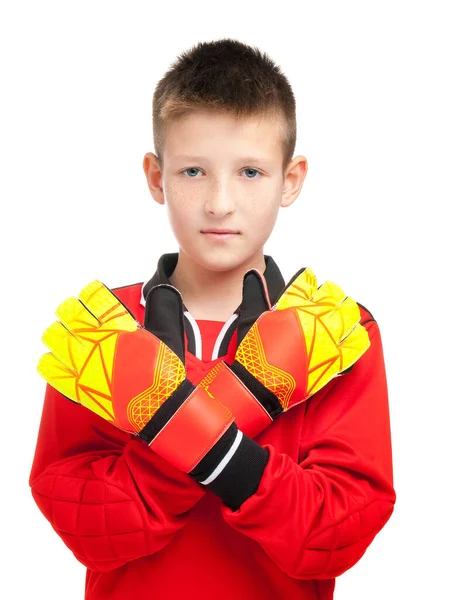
(113, 500)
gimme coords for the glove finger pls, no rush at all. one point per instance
(106, 307)
(255, 301)
(330, 359)
(75, 316)
(342, 318)
(65, 346)
(299, 290)
(328, 294)
(323, 301)
(354, 345)
(58, 375)
(164, 317)
(67, 382)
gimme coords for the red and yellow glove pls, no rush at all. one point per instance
(289, 351)
(102, 358)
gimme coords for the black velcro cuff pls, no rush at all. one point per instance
(241, 477)
(215, 455)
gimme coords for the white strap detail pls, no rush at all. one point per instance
(232, 450)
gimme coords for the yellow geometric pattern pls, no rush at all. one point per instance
(168, 375)
(83, 344)
(210, 376)
(330, 324)
(251, 355)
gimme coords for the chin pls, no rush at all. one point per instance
(222, 259)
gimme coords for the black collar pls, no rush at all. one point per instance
(167, 263)
(165, 267)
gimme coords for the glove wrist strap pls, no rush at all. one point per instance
(190, 427)
(253, 406)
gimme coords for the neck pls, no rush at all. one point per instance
(212, 295)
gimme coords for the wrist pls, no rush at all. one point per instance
(234, 471)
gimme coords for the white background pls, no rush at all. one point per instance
(371, 85)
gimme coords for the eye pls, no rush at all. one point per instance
(191, 169)
(254, 171)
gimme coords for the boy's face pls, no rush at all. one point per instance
(223, 174)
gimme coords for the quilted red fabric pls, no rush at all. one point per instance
(144, 529)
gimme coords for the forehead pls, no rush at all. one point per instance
(203, 134)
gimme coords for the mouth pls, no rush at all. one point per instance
(220, 234)
(219, 231)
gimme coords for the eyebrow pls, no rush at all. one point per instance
(249, 159)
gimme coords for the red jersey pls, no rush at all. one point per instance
(145, 529)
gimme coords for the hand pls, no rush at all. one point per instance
(102, 358)
(290, 351)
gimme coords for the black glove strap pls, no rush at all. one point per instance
(268, 400)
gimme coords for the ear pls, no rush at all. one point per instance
(293, 180)
(164, 317)
(153, 174)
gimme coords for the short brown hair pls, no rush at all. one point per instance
(229, 76)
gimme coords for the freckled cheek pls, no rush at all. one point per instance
(177, 198)
(180, 197)
(182, 211)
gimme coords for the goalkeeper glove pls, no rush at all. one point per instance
(135, 377)
(289, 351)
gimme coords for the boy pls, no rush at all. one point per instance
(300, 504)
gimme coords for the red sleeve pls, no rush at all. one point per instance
(110, 497)
(316, 518)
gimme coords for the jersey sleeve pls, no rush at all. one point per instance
(109, 496)
(316, 517)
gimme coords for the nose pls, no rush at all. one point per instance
(220, 201)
